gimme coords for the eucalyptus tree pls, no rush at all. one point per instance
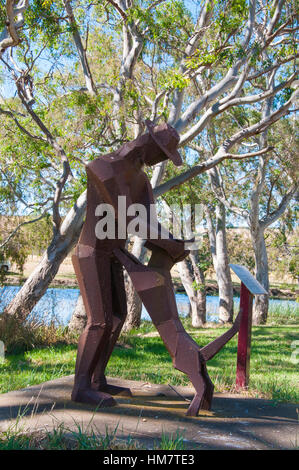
(269, 184)
(87, 75)
(215, 215)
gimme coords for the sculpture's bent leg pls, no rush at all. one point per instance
(119, 309)
(153, 284)
(93, 274)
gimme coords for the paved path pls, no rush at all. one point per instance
(235, 422)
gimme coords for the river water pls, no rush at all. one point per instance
(58, 304)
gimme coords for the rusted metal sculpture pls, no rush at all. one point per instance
(99, 263)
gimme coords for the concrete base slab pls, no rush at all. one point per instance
(235, 422)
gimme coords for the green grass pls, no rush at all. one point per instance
(283, 314)
(80, 437)
(280, 314)
(171, 441)
(272, 373)
(36, 366)
(284, 286)
(139, 357)
(64, 438)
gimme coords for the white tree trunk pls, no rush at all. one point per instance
(218, 246)
(261, 304)
(79, 318)
(134, 304)
(226, 303)
(194, 283)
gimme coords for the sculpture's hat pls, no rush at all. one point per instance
(167, 138)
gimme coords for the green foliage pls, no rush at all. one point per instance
(164, 23)
(29, 239)
(42, 17)
(198, 287)
(15, 251)
(240, 248)
(283, 251)
(174, 80)
(204, 256)
(231, 14)
(294, 266)
(229, 18)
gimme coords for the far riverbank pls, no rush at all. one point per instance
(282, 292)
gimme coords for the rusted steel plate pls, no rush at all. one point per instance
(247, 278)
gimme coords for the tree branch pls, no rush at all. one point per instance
(81, 51)
(260, 126)
(229, 102)
(118, 8)
(66, 170)
(271, 218)
(22, 129)
(10, 36)
(198, 169)
(13, 233)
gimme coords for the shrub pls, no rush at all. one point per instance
(19, 336)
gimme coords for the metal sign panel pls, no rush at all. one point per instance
(247, 278)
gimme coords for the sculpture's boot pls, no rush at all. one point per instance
(99, 381)
(187, 358)
(97, 301)
(119, 308)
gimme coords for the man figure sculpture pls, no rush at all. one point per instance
(99, 263)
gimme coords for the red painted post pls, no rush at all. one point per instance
(244, 339)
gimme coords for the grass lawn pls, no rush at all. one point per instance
(141, 355)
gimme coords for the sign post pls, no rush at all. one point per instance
(244, 338)
(249, 287)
